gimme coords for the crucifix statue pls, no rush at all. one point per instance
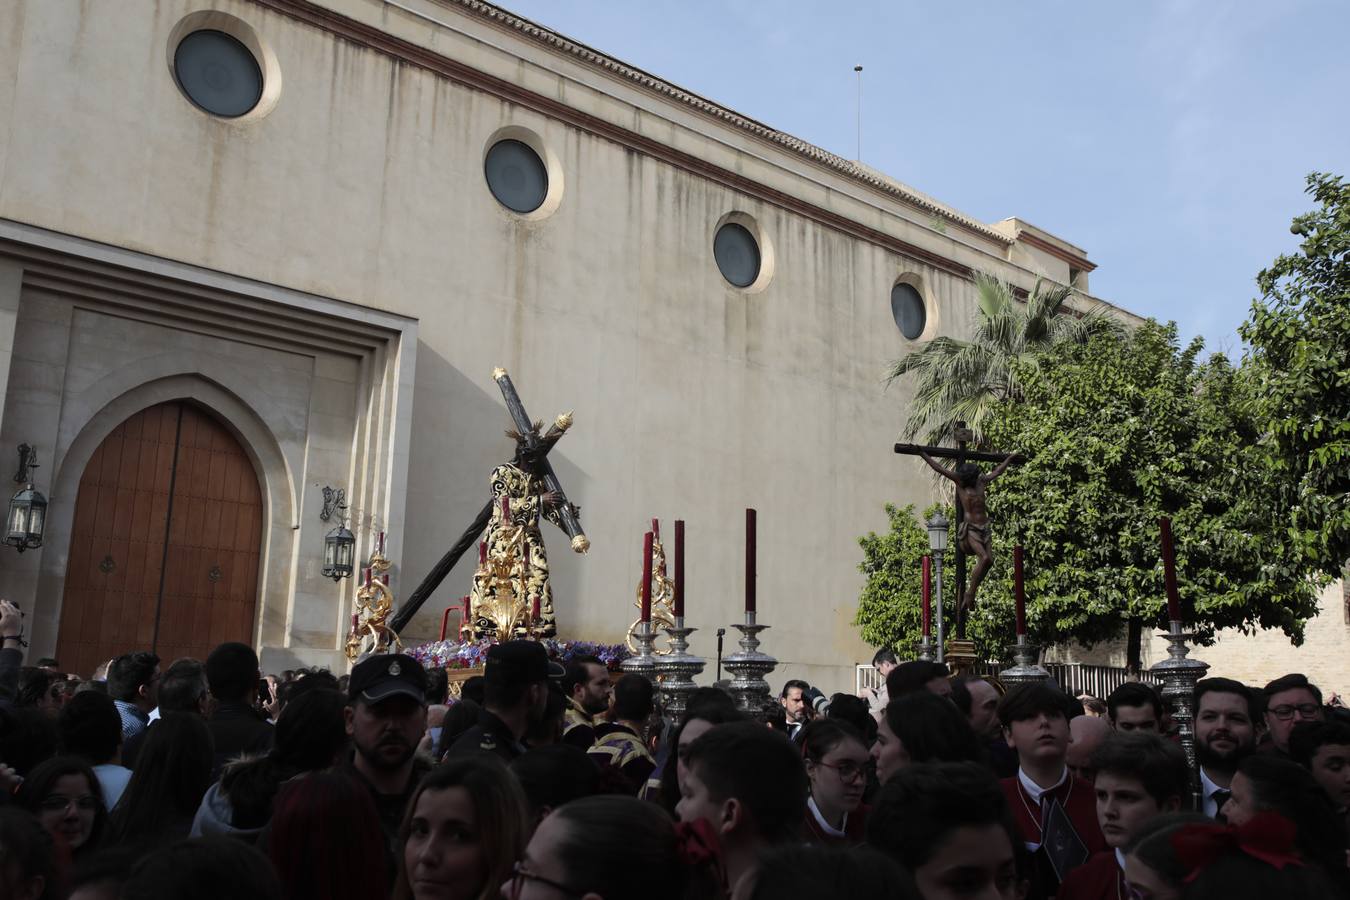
(523, 489)
(973, 533)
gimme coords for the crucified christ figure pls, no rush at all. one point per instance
(973, 536)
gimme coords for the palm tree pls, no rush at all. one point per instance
(964, 380)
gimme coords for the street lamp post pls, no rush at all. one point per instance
(937, 543)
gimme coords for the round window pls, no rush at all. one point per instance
(737, 254)
(907, 307)
(218, 73)
(516, 176)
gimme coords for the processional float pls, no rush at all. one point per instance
(511, 597)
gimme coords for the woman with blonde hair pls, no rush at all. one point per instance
(464, 829)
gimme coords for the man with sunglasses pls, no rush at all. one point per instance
(1290, 699)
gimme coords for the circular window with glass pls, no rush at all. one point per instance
(218, 73)
(737, 254)
(516, 176)
(907, 307)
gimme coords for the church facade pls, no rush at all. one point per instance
(253, 249)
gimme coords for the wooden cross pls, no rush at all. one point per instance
(566, 511)
(961, 454)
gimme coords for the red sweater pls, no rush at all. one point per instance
(1099, 878)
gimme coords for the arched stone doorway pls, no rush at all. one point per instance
(165, 543)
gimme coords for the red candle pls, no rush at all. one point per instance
(356, 621)
(506, 510)
(537, 602)
(367, 576)
(1019, 594)
(749, 560)
(468, 617)
(647, 577)
(527, 555)
(679, 568)
(385, 579)
(1170, 570)
(381, 541)
(656, 529)
(927, 596)
(482, 553)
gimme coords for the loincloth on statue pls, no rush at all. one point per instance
(978, 533)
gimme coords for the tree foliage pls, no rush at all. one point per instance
(890, 608)
(961, 380)
(1119, 432)
(1299, 335)
(1252, 464)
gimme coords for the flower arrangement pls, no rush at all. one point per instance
(473, 654)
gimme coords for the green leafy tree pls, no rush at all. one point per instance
(960, 380)
(1299, 334)
(890, 608)
(1119, 431)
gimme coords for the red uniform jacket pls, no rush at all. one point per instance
(855, 829)
(1080, 804)
(1076, 796)
(1099, 878)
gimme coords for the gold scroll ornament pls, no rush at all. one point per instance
(663, 596)
(374, 605)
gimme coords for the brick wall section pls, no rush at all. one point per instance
(1257, 658)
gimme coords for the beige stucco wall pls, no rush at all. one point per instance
(364, 185)
(1324, 655)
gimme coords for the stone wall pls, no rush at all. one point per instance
(1257, 658)
(360, 182)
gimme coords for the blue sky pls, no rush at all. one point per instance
(1168, 139)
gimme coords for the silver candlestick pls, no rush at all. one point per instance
(645, 662)
(1179, 675)
(749, 667)
(926, 648)
(677, 670)
(1027, 670)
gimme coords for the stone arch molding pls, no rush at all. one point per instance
(91, 415)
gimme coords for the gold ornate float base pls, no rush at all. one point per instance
(456, 678)
(961, 657)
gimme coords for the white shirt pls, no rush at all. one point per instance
(1208, 788)
(820, 820)
(1036, 792)
(1033, 789)
(113, 780)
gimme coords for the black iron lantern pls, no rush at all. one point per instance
(339, 545)
(27, 509)
(339, 550)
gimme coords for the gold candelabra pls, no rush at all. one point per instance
(374, 605)
(663, 598)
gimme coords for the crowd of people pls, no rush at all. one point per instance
(207, 779)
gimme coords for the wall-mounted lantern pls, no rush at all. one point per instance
(339, 545)
(28, 508)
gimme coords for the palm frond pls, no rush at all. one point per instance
(994, 294)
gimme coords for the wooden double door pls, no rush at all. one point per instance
(166, 542)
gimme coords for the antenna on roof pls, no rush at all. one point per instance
(858, 69)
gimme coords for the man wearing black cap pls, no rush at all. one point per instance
(386, 717)
(515, 694)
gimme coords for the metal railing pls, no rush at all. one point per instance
(1075, 678)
